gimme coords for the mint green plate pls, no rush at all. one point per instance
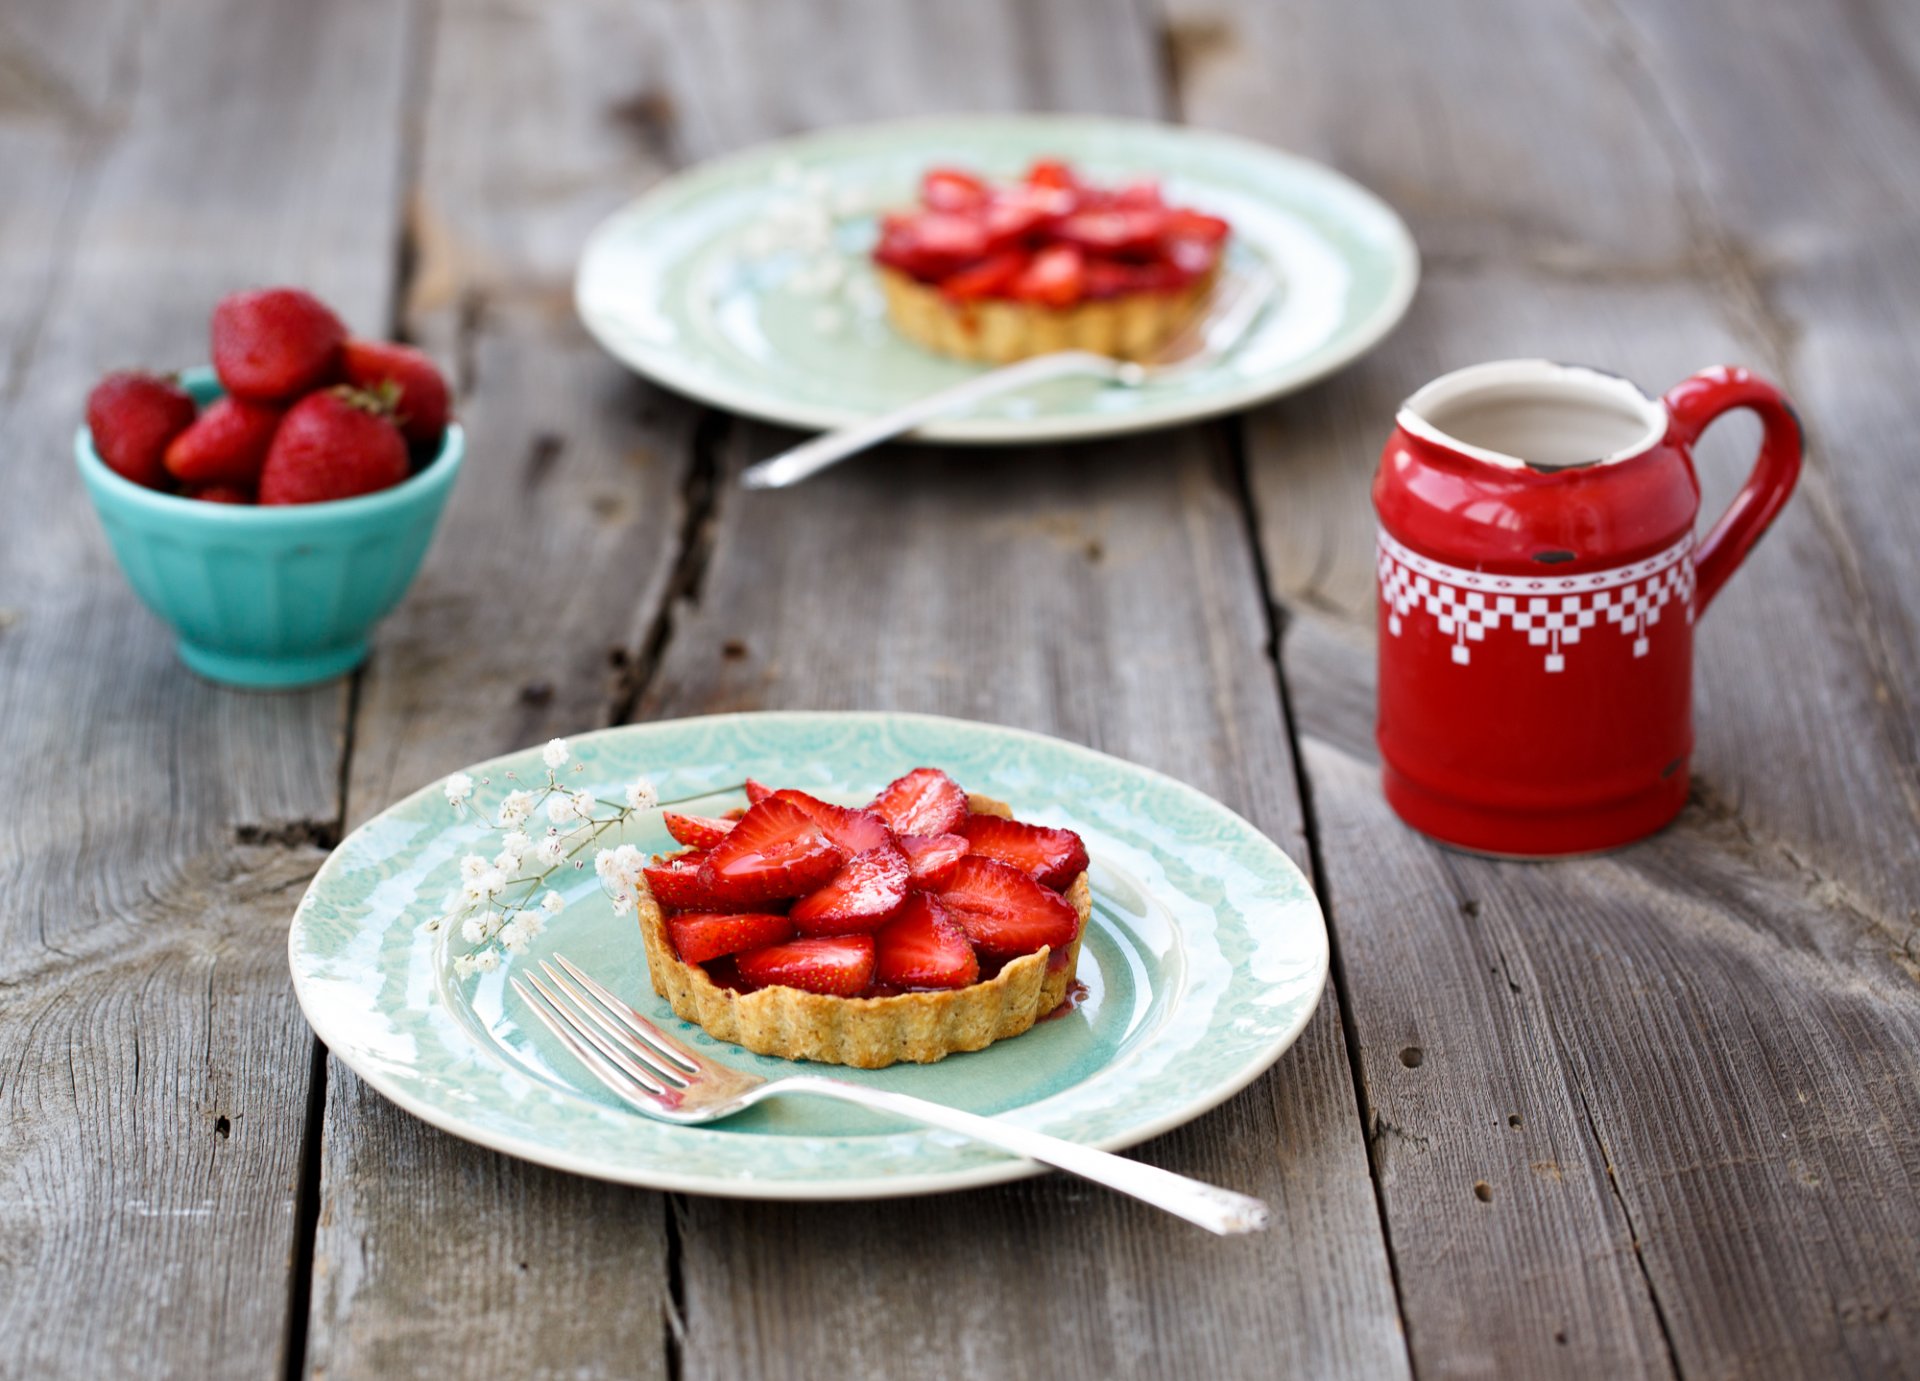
(745, 282)
(1204, 959)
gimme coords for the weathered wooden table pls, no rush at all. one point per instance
(1651, 1113)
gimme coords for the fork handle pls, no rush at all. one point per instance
(1215, 1209)
(809, 458)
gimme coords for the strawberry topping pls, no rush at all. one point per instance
(675, 882)
(698, 831)
(757, 792)
(1006, 913)
(851, 829)
(1053, 858)
(925, 801)
(931, 858)
(921, 947)
(777, 850)
(838, 965)
(867, 890)
(700, 936)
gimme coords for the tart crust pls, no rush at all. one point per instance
(995, 330)
(866, 1032)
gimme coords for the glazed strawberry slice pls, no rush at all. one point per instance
(698, 831)
(700, 936)
(852, 830)
(931, 858)
(1184, 223)
(991, 277)
(838, 965)
(949, 189)
(1006, 913)
(866, 891)
(1119, 232)
(777, 850)
(1057, 277)
(921, 947)
(925, 801)
(757, 792)
(1051, 172)
(1051, 857)
(676, 885)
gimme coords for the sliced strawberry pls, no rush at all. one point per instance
(757, 792)
(1186, 224)
(852, 830)
(991, 277)
(675, 882)
(1018, 214)
(1051, 857)
(777, 850)
(699, 831)
(921, 947)
(1190, 257)
(861, 896)
(1057, 277)
(839, 965)
(1142, 194)
(949, 189)
(700, 936)
(1114, 231)
(1051, 172)
(931, 858)
(925, 801)
(1006, 913)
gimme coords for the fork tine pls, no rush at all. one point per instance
(634, 1022)
(619, 1058)
(660, 1067)
(609, 1074)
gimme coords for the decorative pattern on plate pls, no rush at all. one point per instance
(1204, 959)
(1552, 611)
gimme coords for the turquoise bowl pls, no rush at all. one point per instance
(270, 598)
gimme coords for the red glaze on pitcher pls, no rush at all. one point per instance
(1537, 610)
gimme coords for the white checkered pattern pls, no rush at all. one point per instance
(1552, 611)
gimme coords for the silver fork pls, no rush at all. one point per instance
(1230, 312)
(654, 1073)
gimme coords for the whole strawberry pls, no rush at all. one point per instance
(226, 445)
(423, 404)
(274, 344)
(133, 416)
(333, 445)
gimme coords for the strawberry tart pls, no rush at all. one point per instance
(1050, 262)
(927, 922)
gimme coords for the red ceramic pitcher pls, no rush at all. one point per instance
(1539, 580)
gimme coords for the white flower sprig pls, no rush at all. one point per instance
(504, 902)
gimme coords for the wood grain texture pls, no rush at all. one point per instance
(153, 1066)
(530, 618)
(1706, 1040)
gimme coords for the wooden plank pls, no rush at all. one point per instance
(1104, 593)
(530, 618)
(1707, 1039)
(153, 1067)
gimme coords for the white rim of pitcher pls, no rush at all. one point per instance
(1551, 373)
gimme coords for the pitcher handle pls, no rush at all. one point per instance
(1693, 404)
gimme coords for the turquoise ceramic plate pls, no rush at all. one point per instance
(1204, 959)
(744, 282)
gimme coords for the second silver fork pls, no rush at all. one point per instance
(657, 1075)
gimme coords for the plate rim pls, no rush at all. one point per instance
(662, 368)
(545, 1153)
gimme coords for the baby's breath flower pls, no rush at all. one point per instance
(622, 903)
(560, 808)
(553, 903)
(493, 882)
(484, 961)
(515, 807)
(458, 788)
(552, 851)
(556, 753)
(474, 929)
(642, 796)
(463, 966)
(517, 843)
(471, 867)
(583, 804)
(507, 861)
